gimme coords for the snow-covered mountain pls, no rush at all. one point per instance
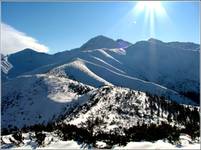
(86, 72)
(114, 109)
(59, 102)
(106, 91)
(151, 66)
(45, 98)
(27, 60)
(172, 67)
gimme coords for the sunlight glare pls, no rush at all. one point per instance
(149, 6)
(152, 10)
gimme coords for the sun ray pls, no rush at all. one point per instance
(152, 11)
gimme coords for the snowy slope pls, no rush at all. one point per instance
(78, 70)
(96, 74)
(115, 108)
(30, 100)
(121, 108)
(45, 98)
(172, 67)
(165, 64)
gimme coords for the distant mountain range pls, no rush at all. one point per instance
(152, 66)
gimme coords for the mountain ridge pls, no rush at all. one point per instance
(141, 60)
(197, 46)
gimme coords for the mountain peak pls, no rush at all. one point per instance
(25, 51)
(28, 50)
(101, 37)
(153, 40)
(98, 42)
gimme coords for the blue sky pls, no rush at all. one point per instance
(67, 25)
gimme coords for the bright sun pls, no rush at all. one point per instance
(152, 10)
(149, 6)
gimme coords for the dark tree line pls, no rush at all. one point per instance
(184, 115)
(153, 132)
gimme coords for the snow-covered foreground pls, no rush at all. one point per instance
(158, 145)
(53, 142)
